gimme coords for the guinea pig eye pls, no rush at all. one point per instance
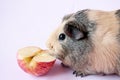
(62, 36)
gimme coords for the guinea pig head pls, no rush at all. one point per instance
(71, 38)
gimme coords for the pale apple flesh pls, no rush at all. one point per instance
(35, 61)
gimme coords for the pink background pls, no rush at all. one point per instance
(29, 23)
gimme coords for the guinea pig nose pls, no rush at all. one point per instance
(51, 47)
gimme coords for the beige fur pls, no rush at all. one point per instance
(106, 50)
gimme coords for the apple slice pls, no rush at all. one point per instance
(34, 60)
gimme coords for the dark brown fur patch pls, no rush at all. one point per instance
(118, 14)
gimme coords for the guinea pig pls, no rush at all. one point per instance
(88, 41)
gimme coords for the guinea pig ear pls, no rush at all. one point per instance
(73, 32)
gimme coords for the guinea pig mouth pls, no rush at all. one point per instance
(58, 54)
(60, 57)
(52, 53)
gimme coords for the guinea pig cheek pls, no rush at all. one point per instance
(59, 52)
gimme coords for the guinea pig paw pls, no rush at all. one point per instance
(79, 73)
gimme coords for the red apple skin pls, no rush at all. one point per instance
(41, 68)
(24, 66)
